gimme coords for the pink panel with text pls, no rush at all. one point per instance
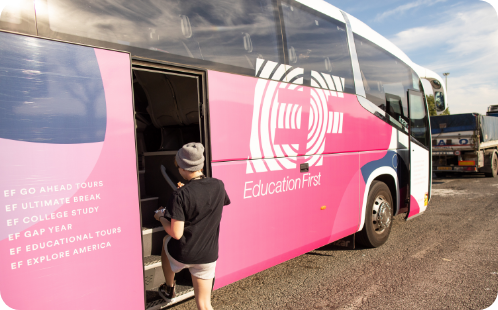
(70, 214)
(277, 211)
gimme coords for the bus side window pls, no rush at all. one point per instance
(18, 16)
(234, 33)
(318, 43)
(387, 80)
(418, 118)
(395, 110)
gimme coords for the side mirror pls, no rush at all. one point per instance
(439, 101)
(434, 89)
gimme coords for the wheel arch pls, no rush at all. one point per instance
(388, 176)
(391, 183)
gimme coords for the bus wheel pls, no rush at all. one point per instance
(378, 216)
(494, 166)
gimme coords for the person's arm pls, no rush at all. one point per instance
(173, 228)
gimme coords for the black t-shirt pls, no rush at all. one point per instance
(200, 205)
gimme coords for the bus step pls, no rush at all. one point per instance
(153, 271)
(147, 208)
(156, 302)
(152, 239)
(154, 277)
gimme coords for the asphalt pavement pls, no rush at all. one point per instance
(446, 258)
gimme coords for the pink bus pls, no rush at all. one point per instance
(316, 124)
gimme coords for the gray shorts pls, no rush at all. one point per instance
(201, 271)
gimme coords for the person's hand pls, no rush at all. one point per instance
(159, 213)
(180, 184)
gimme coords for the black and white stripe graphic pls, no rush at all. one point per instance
(270, 115)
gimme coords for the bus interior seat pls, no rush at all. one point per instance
(172, 106)
(161, 98)
(187, 98)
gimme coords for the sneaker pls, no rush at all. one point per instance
(167, 292)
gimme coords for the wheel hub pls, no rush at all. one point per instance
(381, 214)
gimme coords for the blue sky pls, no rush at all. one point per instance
(459, 37)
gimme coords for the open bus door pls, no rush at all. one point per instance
(419, 153)
(70, 230)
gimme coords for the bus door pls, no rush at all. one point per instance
(70, 225)
(169, 112)
(419, 153)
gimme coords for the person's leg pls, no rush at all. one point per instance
(169, 275)
(202, 291)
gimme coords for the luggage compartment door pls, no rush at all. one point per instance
(70, 235)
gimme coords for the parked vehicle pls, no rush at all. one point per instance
(464, 143)
(492, 110)
(311, 119)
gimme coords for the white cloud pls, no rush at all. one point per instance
(464, 99)
(464, 32)
(405, 7)
(464, 44)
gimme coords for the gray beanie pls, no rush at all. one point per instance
(190, 157)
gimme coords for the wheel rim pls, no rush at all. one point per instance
(381, 214)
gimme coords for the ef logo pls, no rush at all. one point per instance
(291, 120)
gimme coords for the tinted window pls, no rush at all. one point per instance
(18, 16)
(418, 118)
(52, 92)
(384, 77)
(394, 107)
(232, 32)
(318, 43)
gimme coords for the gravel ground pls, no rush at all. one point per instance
(444, 259)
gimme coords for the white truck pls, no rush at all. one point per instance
(464, 143)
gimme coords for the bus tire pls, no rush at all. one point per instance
(378, 216)
(493, 163)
